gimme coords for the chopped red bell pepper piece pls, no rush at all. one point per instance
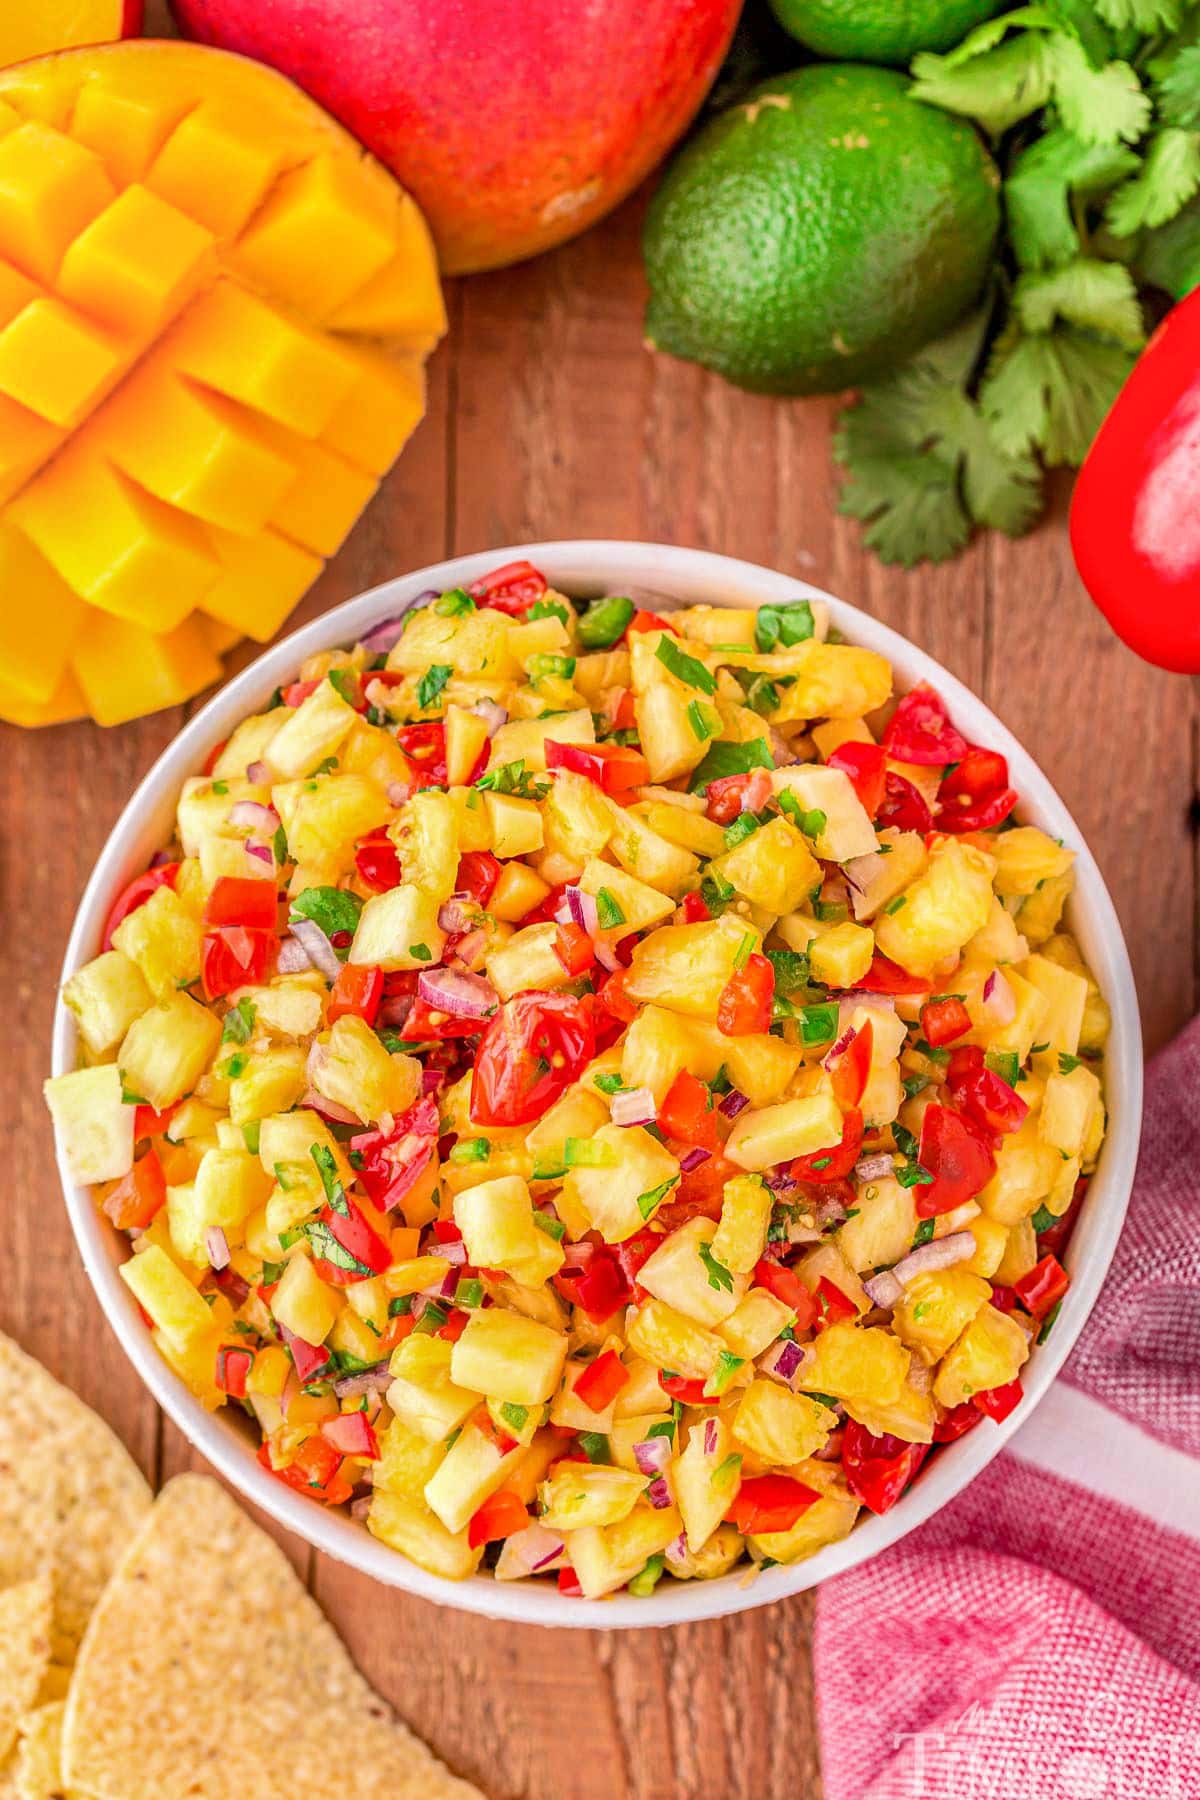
(691, 1393)
(315, 1470)
(234, 956)
(695, 908)
(511, 589)
(849, 1064)
(574, 948)
(787, 1286)
(503, 1513)
(955, 1422)
(836, 1162)
(887, 977)
(600, 1288)
(137, 1196)
(866, 765)
(944, 1020)
(746, 999)
(345, 1247)
(392, 1163)
(150, 1124)
(770, 1503)
(920, 731)
(377, 863)
(1004, 1298)
(352, 1434)
(904, 806)
(478, 873)
(613, 997)
(958, 1158)
(568, 1583)
(136, 894)
(242, 900)
(297, 692)
(615, 768)
(878, 1469)
(687, 1112)
(1043, 1287)
(602, 1381)
(213, 758)
(308, 1359)
(233, 1365)
(650, 621)
(979, 774)
(998, 1402)
(623, 711)
(357, 991)
(978, 815)
(832, 1306)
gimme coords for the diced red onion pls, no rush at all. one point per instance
(292, 957)
(757, 791)
(884, 1289)
(375, 1380)
(260, 852)
(677, 1550)
(387, 634)
(939, 1253)
(432, 1080)
(394, 1010)
(159, 858)
(454, 1251)
(791, 1355)
(658, 1493)
(398, 792)
(635, 1107)
(839, 1049)
(457, 913)
(321, 953)
(584, 910)
(216, 1245)
(733, 1104)
(781, 1356)
(469, 948)
(999, 998)
(235, 1287)
(360, 1508)
(873, 1168)
(578, 1256)
(328, 1109)
(528, 1552)
(492, 714)
(462, 995)
(693, 1158)
(710, 1437)
(830, 1212)
(255, 816)
(652, 1455)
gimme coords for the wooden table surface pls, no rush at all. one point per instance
(548, 419)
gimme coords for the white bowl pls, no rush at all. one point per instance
(689, 576)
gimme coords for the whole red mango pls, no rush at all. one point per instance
(514, 123)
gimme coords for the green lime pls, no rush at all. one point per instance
(881, 31)
(819, 232)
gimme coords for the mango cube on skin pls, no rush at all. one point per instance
(352, 1068)
(780, 1427)
(50, 188)
(403, 300)
(676, 1273)
(423, 1392)
(124, 126)
(106, 996)
(260, 578)
(217, 166)
(323, 499)
(166, 1050)
(409, 1526)
(989, 1354)
(507, 1357)
(165, 940)
(40, 619)
(137, 264)
(379, 414)
(171, 1300)
(124, 671)
(27, 443)
(324, 230)
(399, 930)
(93, 1128)
(58, 363)
(775, 1134)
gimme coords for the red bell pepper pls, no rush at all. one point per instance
(958, 1158)
(600, 1288)
(944, 1020)
(955, 1422)
(787, 1286)
(770, 1503)
(650, 621)
(511, 589)
(887, 977)
(425, 747)
(315, 1470)
(357, 991)
(920, 731)
(695, 908)
(352, 1434)
(1133, 516)
(1041, 1290)
(866, 765)
(135, 1199)
(832, 1306)
(297, 692)
(136, 894)
(568, 1583)
(687, 1112)
(602, 1381)
(998, 1402)
(150, 1124)
(377, 863)
(500, 1515)
(233, 1365)
(242, 900)
(691, 1393)
(832, 1164)
(849, 1065)
(574, 948)
(745, 1002)
(345, 1248)
(234, 956)
(616, 768)
(983, 1095)
(878, 1469)
(307, 1359)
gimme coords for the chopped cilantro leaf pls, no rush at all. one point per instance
(722, 759)
(454, 602)
(819, 1024)
(784, 625)
(718, 1275)
(609, 912)
(335, 910)
(432, 682)
(345, 682)
(239, 1023)
(595, 1447)
(514, 778)
(420, 952)
(649, 1202)
(685, 668)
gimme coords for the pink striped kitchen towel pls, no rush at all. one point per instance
(1039, 1639)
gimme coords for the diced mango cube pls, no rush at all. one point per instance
(127, 126)
(58, 363)
(403, 300)
(39, 617)
(50, 188)
(137, 264)
(379, 413)
(260, 580)
(322, 233)
(323, 498)
(217, 165)
(125, 671)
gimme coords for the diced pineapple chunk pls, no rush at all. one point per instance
(166, 1050)
(409, 1526)
(466, 735)
(668, 736)
(936, 1307)
(1039, 915)
(1025, 857)
(471, 1470)
(878, 878)
(657, 1046)
(1026, 1168)
(310, 733)
(508, 1357)
(686, 967)
(164, 939)
(668, 1340)
(831, 681)
(680, 825)
(638, 905)
(999, 942)
(399, 930)
(286, 1141)
(1020, 1253)
(577, 820)
(827, 1521)
(527, 960)
(910, 1416)
(496, 1220)
(773, 868)
(1065, 994)
(775, 1134)
(228, 1186)
(676, 1273)
(579, 1494)
(106, 996)
(706, 1479)
(605, 1557)
(524, 740)
(741, 1233)
(1024, 1029)
(841, 955)
(304, 1303)
(1069, 1105)
(778, 1426)
(163, 1291)
(271, 1081)
(406, 1461)
(323, 817)
(352, 1068)
(943, 909)
(851, 1360)
(989, 1354)
(644, 853)
(840, 824)
(620, 1195)
(881, 1232)
(93, 1128)
(423, 1392)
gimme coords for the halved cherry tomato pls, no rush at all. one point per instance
(139, 1195)
(233, 1365)
(687, 1112)
(345, 1247)
(242, 900)
(983, 1095)
(429, 1024)
(1004, 1298)
(839, 1159)
(699, 1193)
(851, 1065)
(787, 1286)
(533, 1048)
(298, 691)
(998, 1402)
(602, 1381)
(723, 802)
(866, 765)
(770, 1503)
(695, 908)
(213, 758)
(511, 589)
(978, 815)
(745, 1002)
(904, 807)
(456, 1324)
(878, 1469)
(956, 1422)
(691, 1393)
(887, 977)
(1043, 1287)
(650, 621)
(500, 1515)
(615, 768)
(357, 991)
(574, 948)
(353, 1434)
(622, 711)
(234, 956)
(920, 731)
(979, 773)
(392, 1163)
(377, 862)
(568, 1583)
(944, 1020)
(136, 894)
(957, 1157)
(832, 1306)
(425, 747)
(478, 873)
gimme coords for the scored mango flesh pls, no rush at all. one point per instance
(214, 314)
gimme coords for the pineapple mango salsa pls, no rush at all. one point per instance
(605, 1094)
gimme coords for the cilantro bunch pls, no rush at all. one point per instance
(1092, 108)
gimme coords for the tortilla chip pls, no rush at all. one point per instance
(71, 1496)
(38, 1768)
(25, 1613)
(208, 1671)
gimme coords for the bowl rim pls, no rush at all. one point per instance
(685, 576)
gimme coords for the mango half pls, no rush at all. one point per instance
(215, 310)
